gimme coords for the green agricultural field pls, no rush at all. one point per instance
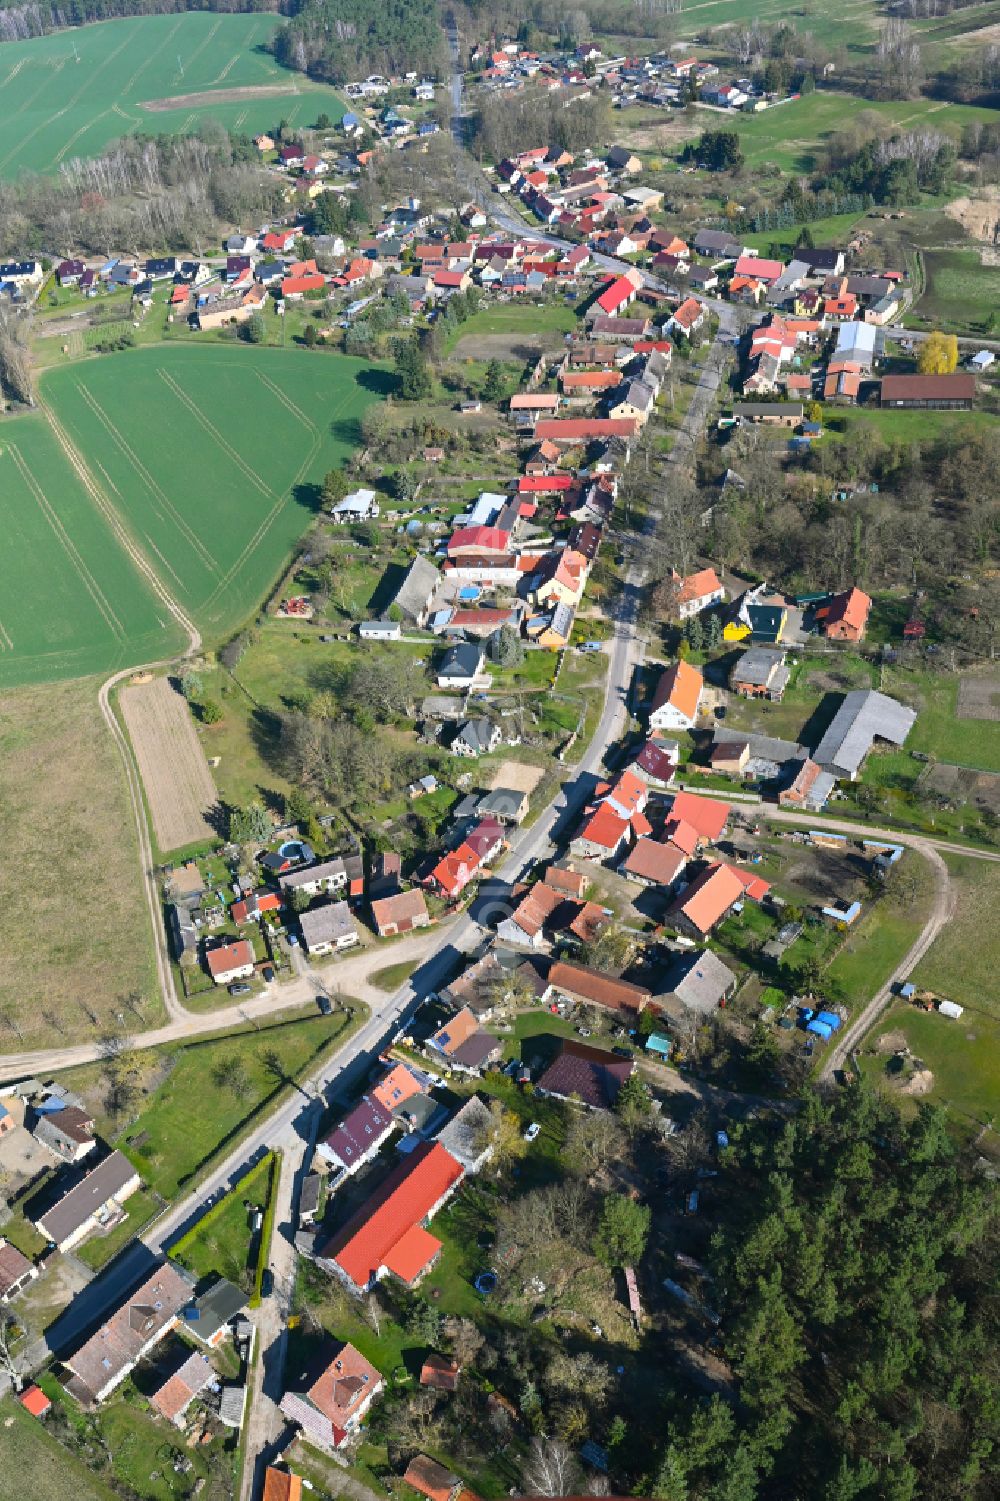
(212, 456)
(68, 94)
(71, 600)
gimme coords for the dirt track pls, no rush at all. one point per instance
(217, 96)
(175, 775)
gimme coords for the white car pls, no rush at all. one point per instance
(532, 1131)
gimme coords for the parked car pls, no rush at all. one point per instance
(239, 989)
(267, 974)
(324, 1004)
(532, 1131)
(266, 1282)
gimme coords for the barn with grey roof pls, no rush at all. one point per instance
(864, 717)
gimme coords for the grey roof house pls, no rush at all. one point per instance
(476, 737)
(95, 1200)
(864, 717)
(416, 591)
(699, 980)
(328, 928)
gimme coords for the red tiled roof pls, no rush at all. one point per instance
(616, 294)
(595, 986)
(346, 1382)
(396, 1087)
(292, 285)
(542, 484)
(281, 1485)
(482, 539)
(756, 266)
(383, 1232)
(706, 814)
(404, 907)
(34, 1400)
(654, 861)
(604, 827)
(698, 585)
(229, 956)
(581, 429)
(852, 608)
(683, 835)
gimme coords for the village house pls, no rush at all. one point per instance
(706, 816)
(657, 761)
(414, 595)
(844, 617)
(461, 666)
(586, 1076)
(677, 698)
(173, 1398)
(462, 1044)
(328, 929)
(698, 592)
(103, 1361)
(592, 987)
(358, 1137)
(95, 1200)
(327, 876)
(360, 505)
(67, 1132)
(712, 896)
(230, 961)
(699, 980)
(16, 1271)
(476, 737)
(401, 913)
(388, 1235)
(760, 673)
(810, 788)
(328, 1401)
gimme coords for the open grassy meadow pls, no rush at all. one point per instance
(76, 932)
(962, 292)
(963, 1056)
(68, 94)
(212, 457)
(71, 600)
(963, 960)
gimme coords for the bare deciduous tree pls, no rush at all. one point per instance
(550, 1468)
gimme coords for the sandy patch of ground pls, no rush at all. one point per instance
(520, 776)
(217, 96)
(979, 216)
(922, 1082)
(175, 774)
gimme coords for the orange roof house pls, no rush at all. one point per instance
(845, 616)
(705, 814)
(34, 1400)
(387, 1234)
(281, 1485)
(396, 1087)
(698, 591)
(678, 694)
(430, 1479)
(711, 896)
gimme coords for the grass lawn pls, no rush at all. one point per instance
(905, 427)
(961, 292)
(69, 94)
(963, 961)
(556, 316)
(75, 941)
(964, 1057)
(212, 456)
(71, 601)
(966, 742)
(185, 1117)
(286, 662)
(393, 976)
(222, 1242)
(884, 932)
(55, 1473)
(812, 697)
(141, 1208)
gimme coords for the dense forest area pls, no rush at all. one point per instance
(338, 40)
(853, 1268)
